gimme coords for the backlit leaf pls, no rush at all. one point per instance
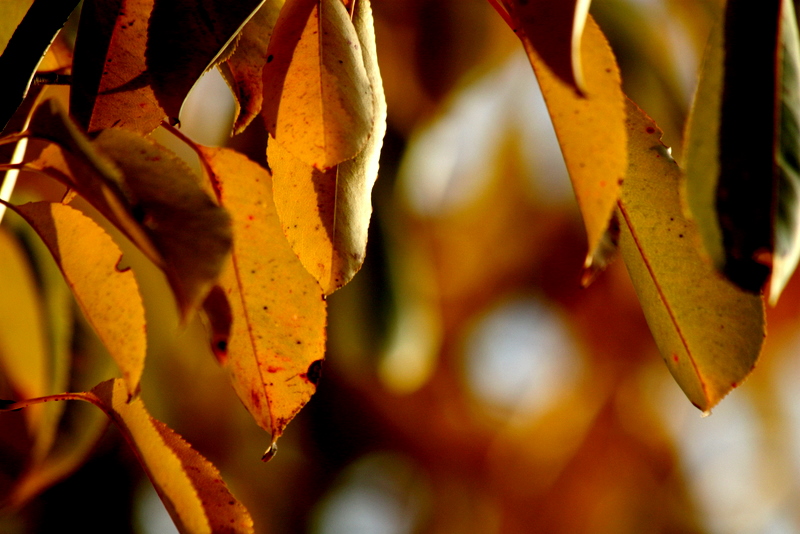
(276, 342)
(590, 130)
(554, 30)
(24, 50)
(325, 214)
(148, 193)
(243, 68)
(708, 330)
(189, 485)
(23, 342)
(109, 297)
(742, 170)
(318, 102)
(111, 85)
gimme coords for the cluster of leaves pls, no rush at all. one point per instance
(220, 237)
(257, 251)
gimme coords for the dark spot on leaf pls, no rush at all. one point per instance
(314, 372)
(222, 345)
(255, 399)
(138, 213)
(270, 58)
(680, 235)
(651, 130)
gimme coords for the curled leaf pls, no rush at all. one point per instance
(274, 343)
(318, 100)
(708, 330)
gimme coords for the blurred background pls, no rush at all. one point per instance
(471, 385)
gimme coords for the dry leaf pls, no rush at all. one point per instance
(318, 101)
(708, 330)
(276, 342)
(108, 296)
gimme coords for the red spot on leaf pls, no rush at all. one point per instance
(675, 357)
(255, 399)
(651, 130)
(274, 369)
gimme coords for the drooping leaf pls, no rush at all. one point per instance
(318, 100)
(108, 296)
(742, 171)
(184, 39)
(196, 497)
(708, 330)
(23, 341)
(111, 85)
(554, 30)
(274, 340)
(243, 68)
(148, 193)
(325, 214)
(590, 130)
(25, 49)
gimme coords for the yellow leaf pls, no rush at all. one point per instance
(23, 345)
(242, 70)
(555, 30)
(325, 214)
(109, 298)
(147, 192)
(708, 330)
(277, 337)
(189, 485)
(590, 129)
(318, 101)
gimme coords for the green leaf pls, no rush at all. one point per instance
(109, 297)
(708, 330)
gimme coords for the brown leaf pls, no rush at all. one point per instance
(243, 68)
(318, 100)
(277, 337)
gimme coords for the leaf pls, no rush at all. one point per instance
(13, 13)
(708, 330)
(178, 54)
(111, 85)
(23, 342)
(742, 189)
(325, 214)
(191, 488)
(148, 193)
(318, 101)
(554, 29)
(109, 297)
(25, 49)
(590, 130)
(242, 70)
(277, 335)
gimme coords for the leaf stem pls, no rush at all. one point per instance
(10, 406)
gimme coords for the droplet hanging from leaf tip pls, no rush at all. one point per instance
(270, 453)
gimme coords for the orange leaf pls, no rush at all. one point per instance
(277, 336)
(318, 100)
(109, 298)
